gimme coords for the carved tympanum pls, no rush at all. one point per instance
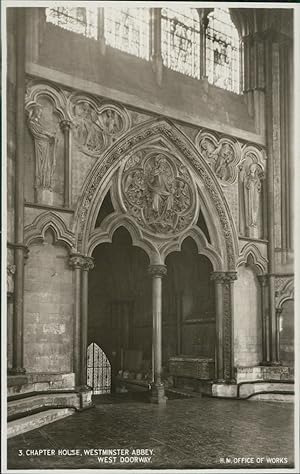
(158, 193)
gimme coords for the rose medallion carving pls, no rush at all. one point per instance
(159, 193)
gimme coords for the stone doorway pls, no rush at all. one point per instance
(120, 308)
(98, 370)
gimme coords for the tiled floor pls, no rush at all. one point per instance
(187, 433)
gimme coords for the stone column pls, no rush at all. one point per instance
(224, 325)
(66, 128)
(219, 362)
(278, 315)
(87, 265)
(263, 280)
(157, 387)
(20, 250)
(76, 262)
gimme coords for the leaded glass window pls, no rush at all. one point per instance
(222, 51)
(180, 31)
(127, 29)
(77, 19)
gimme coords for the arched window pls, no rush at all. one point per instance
(180, 31)
(222, 51)
(127, 29)
(77, 19)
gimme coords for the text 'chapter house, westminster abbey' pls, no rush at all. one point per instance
(148, 236)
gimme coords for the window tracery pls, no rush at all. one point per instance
(77, 19)
(127, 29)
(222, 51)
(180, 31)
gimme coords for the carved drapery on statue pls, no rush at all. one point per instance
(250, 191)
(158, 192)
(43, 128)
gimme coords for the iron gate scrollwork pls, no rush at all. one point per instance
(98, 370)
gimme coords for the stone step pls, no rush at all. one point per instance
(34, 382)
(17, 405)
(273, 397)
(36, 420)
(273, 390)
(248, 390)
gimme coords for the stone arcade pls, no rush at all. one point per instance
(150, 221)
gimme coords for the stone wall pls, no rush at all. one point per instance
(48, 321)
(247, 319)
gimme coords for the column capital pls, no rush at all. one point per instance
(263, 279)
(223, 277)
(81, 261)
(65, 125)
(157, 270)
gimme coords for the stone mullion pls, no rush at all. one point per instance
(157, 387)
(155, 43)
(203, 28)
(100, 28)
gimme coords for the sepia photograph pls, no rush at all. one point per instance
(148, 236)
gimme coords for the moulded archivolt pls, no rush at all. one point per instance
(104, 170)
(37, 90)
(223, 155)
(284, 290)
(250, 249)
(48, 220)
(96, 124)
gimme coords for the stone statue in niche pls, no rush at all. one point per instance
(44, 133)
(156, 196)
(11, 270)
(252, 186)
(87, 130)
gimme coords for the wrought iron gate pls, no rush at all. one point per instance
(98, 370)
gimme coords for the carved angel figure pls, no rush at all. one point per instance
(224, 156)
(45, 143)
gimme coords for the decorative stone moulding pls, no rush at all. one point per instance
(222, 154)
(96, 125)
(284, 289)
(158, 191)
(155, 201)
(251, 250)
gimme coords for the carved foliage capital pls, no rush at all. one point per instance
(223, 277)
(81, 261)
(157, 270)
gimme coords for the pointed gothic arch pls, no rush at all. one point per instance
(212, 200)
(49, 220)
